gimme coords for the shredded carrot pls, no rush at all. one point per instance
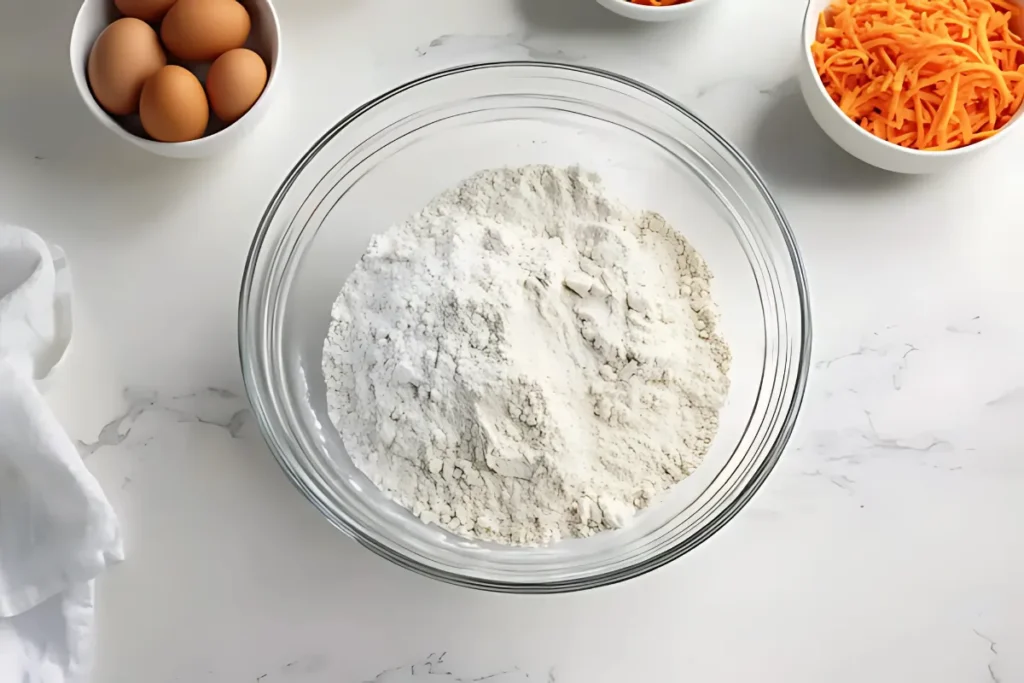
(659, 3)
(925, 74)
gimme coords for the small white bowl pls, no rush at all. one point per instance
(862, 144)
(649, 13)
(264, 39)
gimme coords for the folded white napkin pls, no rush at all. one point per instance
(57, 530)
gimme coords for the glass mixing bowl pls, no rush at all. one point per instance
(387, 159)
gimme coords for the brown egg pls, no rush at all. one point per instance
(122, 58)
(202, 30)
(235, 81)
(147, 10)
(173, 107)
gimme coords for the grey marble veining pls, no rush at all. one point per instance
(884, 547)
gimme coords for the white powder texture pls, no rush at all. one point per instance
(526, 359)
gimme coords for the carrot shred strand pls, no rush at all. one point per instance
(923, 74)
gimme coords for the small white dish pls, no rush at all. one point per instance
(650, 13)
(862, 144)
(264, 39)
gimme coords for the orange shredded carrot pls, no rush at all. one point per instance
(659, 3)
(923, 74)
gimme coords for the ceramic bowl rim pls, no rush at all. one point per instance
(652, 14)
(668, 9)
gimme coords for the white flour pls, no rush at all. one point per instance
(526, 359)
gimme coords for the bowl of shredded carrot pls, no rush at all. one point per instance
(912, 86)
(655, 10)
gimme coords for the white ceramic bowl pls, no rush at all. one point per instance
(859, 142)
(648, 13)
(264, 39)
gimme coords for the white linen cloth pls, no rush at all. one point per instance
(57, 529)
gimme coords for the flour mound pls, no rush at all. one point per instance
(525, 359)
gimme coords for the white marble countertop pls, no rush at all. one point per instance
(885, 547)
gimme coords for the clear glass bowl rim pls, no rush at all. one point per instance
(254, 382)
